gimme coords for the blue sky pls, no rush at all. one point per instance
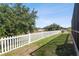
(60, 14)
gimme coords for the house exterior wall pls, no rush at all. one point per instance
(75, 24)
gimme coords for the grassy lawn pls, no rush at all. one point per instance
(61, 46)
(28, 49)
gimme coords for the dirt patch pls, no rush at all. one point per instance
(23, 51)
(30, 49)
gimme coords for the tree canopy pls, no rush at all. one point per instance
(52, 27)
(16, 19)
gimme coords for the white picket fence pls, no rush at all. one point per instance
(10, 43)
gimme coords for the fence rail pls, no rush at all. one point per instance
(10, 43)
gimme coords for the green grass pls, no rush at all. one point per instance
(61, 46)
(45, 40)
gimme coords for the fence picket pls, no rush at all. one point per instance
(15, 42)
(10, 43)
(5, 45)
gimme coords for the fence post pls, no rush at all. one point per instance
(2, 45)
(29, 38)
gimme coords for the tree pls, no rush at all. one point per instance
(52, 27)
(16, 19)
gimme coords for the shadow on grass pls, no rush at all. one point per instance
(32, 54)
(66, 49)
